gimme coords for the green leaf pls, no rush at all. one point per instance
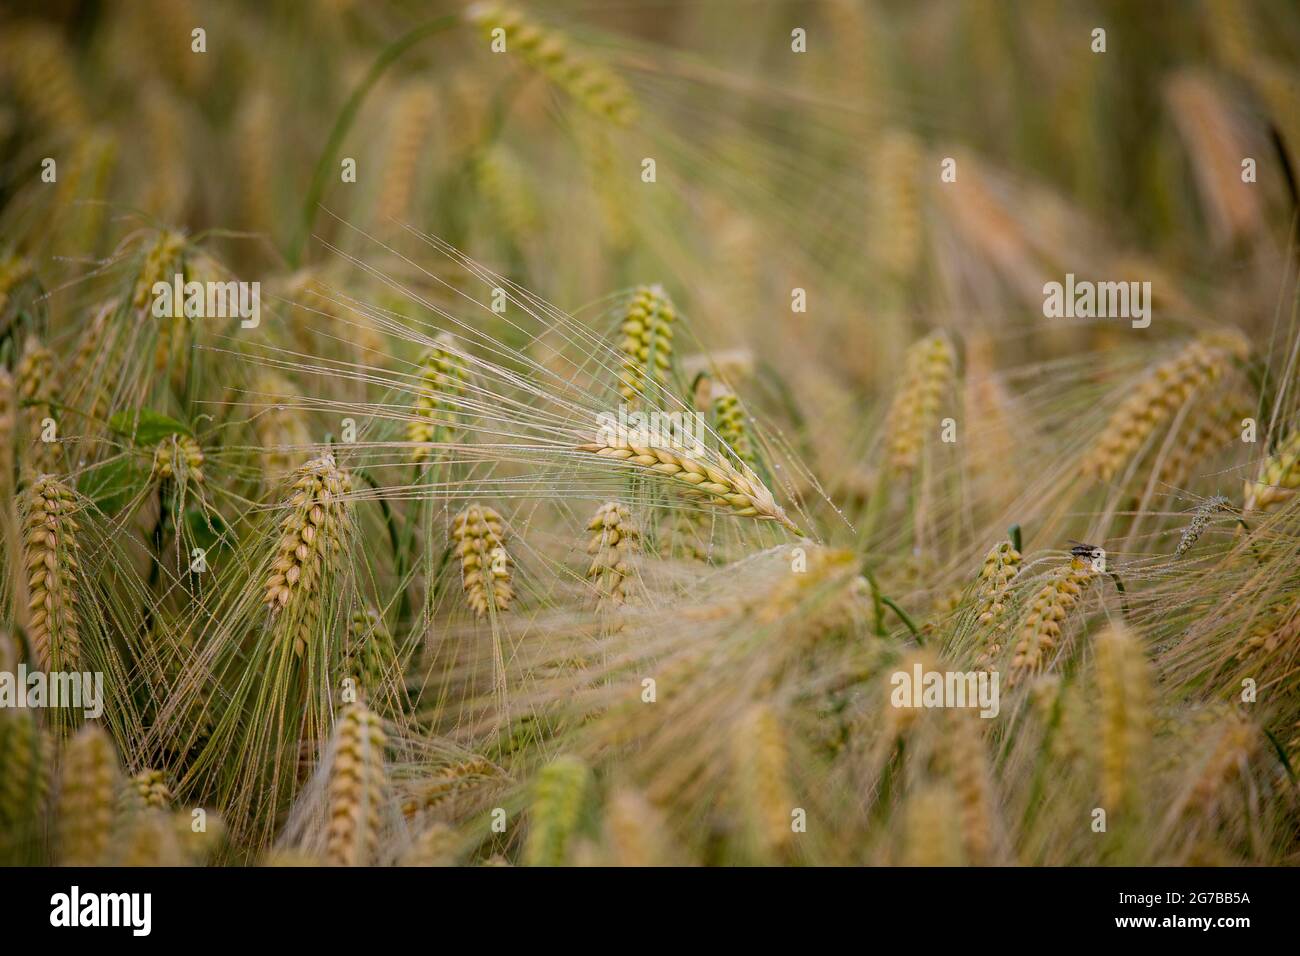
(146, 427)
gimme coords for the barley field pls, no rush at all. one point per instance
(639, 433)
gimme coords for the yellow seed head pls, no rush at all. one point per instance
(50, 552)
(356, 788)
(312, 534)
(558, 797)
(591, 84)
(436, 415)
(614, 539)
(1279, 478)
(1157, 398)
(178, 454)
(479, 536)
(1040, 632)
(88, 784)
(928, 370)
(646, 343)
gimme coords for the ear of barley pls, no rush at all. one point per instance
(8, 423)
(370, 657)
(1200, 521)
(503, 183)
(1157, 398)
(928, 370)
(731, 426)
(148, 790)
(1040, 631)
(646, 343)
(436, 415)
(37, 62)
(1124, 687)
(1277, 625)
(1001, 565)
(24, 782)
(37, 394)
(1279, 477)
(968, 764)
(437, 845)
(312, 536)
(88, 784)
(13, 272)
(356, 788)
(178, 454)
(591, 84)
(51, 551)
(559, 795)
(635, 833)
(736, 489)
(432, 792)
(411, 119)
(93, 365)
(149, 837)
(1229, 753)
(932, 829)
(761, 764)
(894, 216)
(162, 261)
(479, 536)
(682, 534)
(614, 539)
(280, 430)
(1209, 430)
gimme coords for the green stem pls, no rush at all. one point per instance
(348, 115)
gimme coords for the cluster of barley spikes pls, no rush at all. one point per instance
(635, 391)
